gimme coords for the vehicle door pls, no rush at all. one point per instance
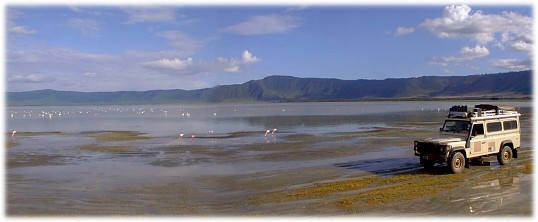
(477, 142)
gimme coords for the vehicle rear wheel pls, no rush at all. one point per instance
(428, 164)
(456, 163)
(505, 155)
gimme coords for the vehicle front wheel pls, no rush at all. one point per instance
(505, 155)
(456, 163)
(428, 164)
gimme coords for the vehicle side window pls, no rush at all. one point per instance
(478, 129)
(509, 125)
(494, 127)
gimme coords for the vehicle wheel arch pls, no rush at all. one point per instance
(511, 145)
(461, 149)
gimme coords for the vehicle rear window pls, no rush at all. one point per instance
(509, 125)
(494, 127)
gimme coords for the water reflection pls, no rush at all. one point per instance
(49, 173)
(488, 196)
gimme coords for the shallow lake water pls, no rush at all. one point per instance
(60, 162)
(168, 120)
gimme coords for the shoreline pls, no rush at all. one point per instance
(230, 102)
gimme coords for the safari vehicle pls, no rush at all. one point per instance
(470, 133)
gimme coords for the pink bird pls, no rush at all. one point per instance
(192, 139)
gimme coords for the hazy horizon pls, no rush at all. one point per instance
(234, 84)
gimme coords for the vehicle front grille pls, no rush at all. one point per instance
(426, 148)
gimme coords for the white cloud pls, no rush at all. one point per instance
(32, 78)
(404, 31)
(60, 68)
(522, 42)
(22, 30)
(445, 60)
(172, 64)
(228, 65)
(466, 54)
(457, 12)
(476, 52)
(506, 30)
(89, 74)
(522, 45)
(88, 27)
(263, 24)
(461, 22)
(512, 64)
(189, 67)
(57, 62)
(149, 14)
(234, 65)
(249, 58)
(12, 27)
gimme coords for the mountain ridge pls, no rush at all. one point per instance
(509, 85)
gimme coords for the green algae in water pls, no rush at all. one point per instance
(10, 144)
(415, 189)
(527, 167)
(98, 148)
(118, 135)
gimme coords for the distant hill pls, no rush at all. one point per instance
(510, 85)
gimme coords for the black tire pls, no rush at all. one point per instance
(456, 163)
(505, 155)
(427, 164)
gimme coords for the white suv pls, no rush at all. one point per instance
(471, 133)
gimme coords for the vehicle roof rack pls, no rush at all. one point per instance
(458, 112)
(493, 107)
(480, 110)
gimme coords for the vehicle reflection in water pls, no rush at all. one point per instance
(488, 196)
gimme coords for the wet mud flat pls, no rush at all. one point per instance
(367, 172)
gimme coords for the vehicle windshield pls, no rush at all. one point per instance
(456, 126)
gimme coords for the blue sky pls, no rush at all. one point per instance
(143, 47)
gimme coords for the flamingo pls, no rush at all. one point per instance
(274, 130)
(192, 139)
(180, 136)
(267, 132)
(13, 133)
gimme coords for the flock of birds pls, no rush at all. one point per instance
(191, 140)
(272, 133)
(50, 114)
